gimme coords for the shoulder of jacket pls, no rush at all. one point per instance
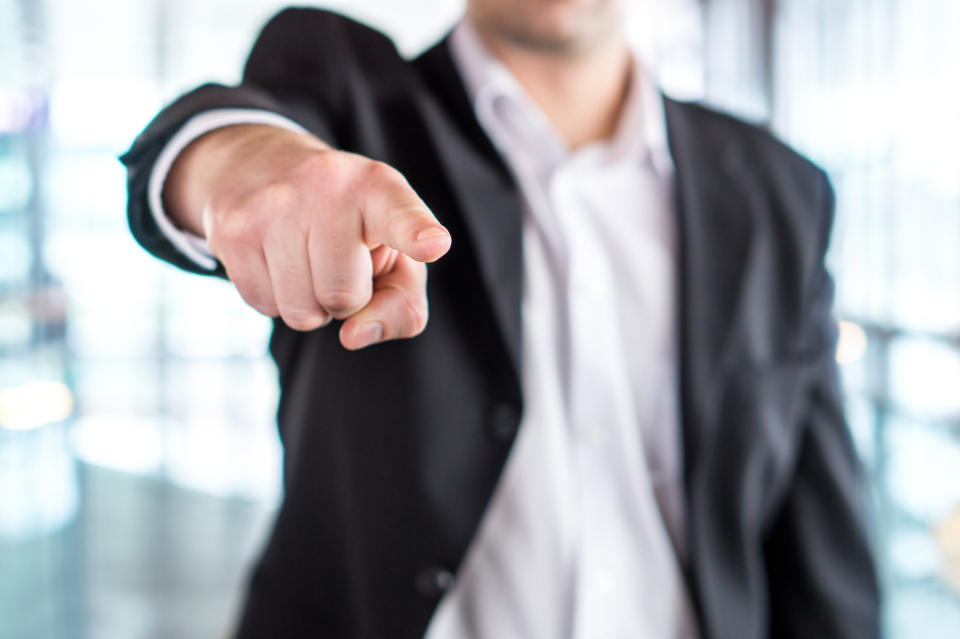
(309, 34)
(758, 146)
(789, 198)
(299, 21)
(797, 195)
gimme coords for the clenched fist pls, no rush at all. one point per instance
(308, 233)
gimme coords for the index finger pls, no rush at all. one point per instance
(394, 215)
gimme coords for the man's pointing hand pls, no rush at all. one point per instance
(308, 233)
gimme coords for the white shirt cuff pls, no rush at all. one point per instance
(190, 245)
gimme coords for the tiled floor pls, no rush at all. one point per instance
(143, 560)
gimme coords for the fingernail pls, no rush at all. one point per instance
(435, 231)
(369, 334)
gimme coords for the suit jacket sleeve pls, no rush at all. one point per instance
(300, 67)
(820, 565)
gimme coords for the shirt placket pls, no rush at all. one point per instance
(598, 405)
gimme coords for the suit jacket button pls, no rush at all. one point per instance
(504, 420)
(433, 581)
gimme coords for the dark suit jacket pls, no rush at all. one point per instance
(391, 453)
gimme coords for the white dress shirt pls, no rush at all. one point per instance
(583, 537)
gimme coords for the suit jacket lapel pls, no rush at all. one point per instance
(715, 239)
(488, 196)
(714, 219)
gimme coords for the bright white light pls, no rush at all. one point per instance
(126, 444)
(852, 343)
(34, 404)
(924, 378)
(216, 458)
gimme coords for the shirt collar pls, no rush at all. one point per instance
(517, 124)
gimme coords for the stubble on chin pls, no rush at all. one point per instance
(568, 35)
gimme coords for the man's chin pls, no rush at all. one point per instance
(548, 42)
(562, 35)
(549, 26)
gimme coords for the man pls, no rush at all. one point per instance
(622, 419)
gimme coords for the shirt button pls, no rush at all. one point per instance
(504, 420)
(433, 581)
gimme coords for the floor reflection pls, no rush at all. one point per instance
(143, 559)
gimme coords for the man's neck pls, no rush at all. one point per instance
(581, 93)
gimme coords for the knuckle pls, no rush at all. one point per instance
(229, 226)
(326, 163)
(214, 217)
(303, 320)
(416, 313)
(325, 175)
(382, 172)
(218, 216)
(240, 228)
(343, 301)
(275, 198)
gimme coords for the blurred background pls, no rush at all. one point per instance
(139, 465)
